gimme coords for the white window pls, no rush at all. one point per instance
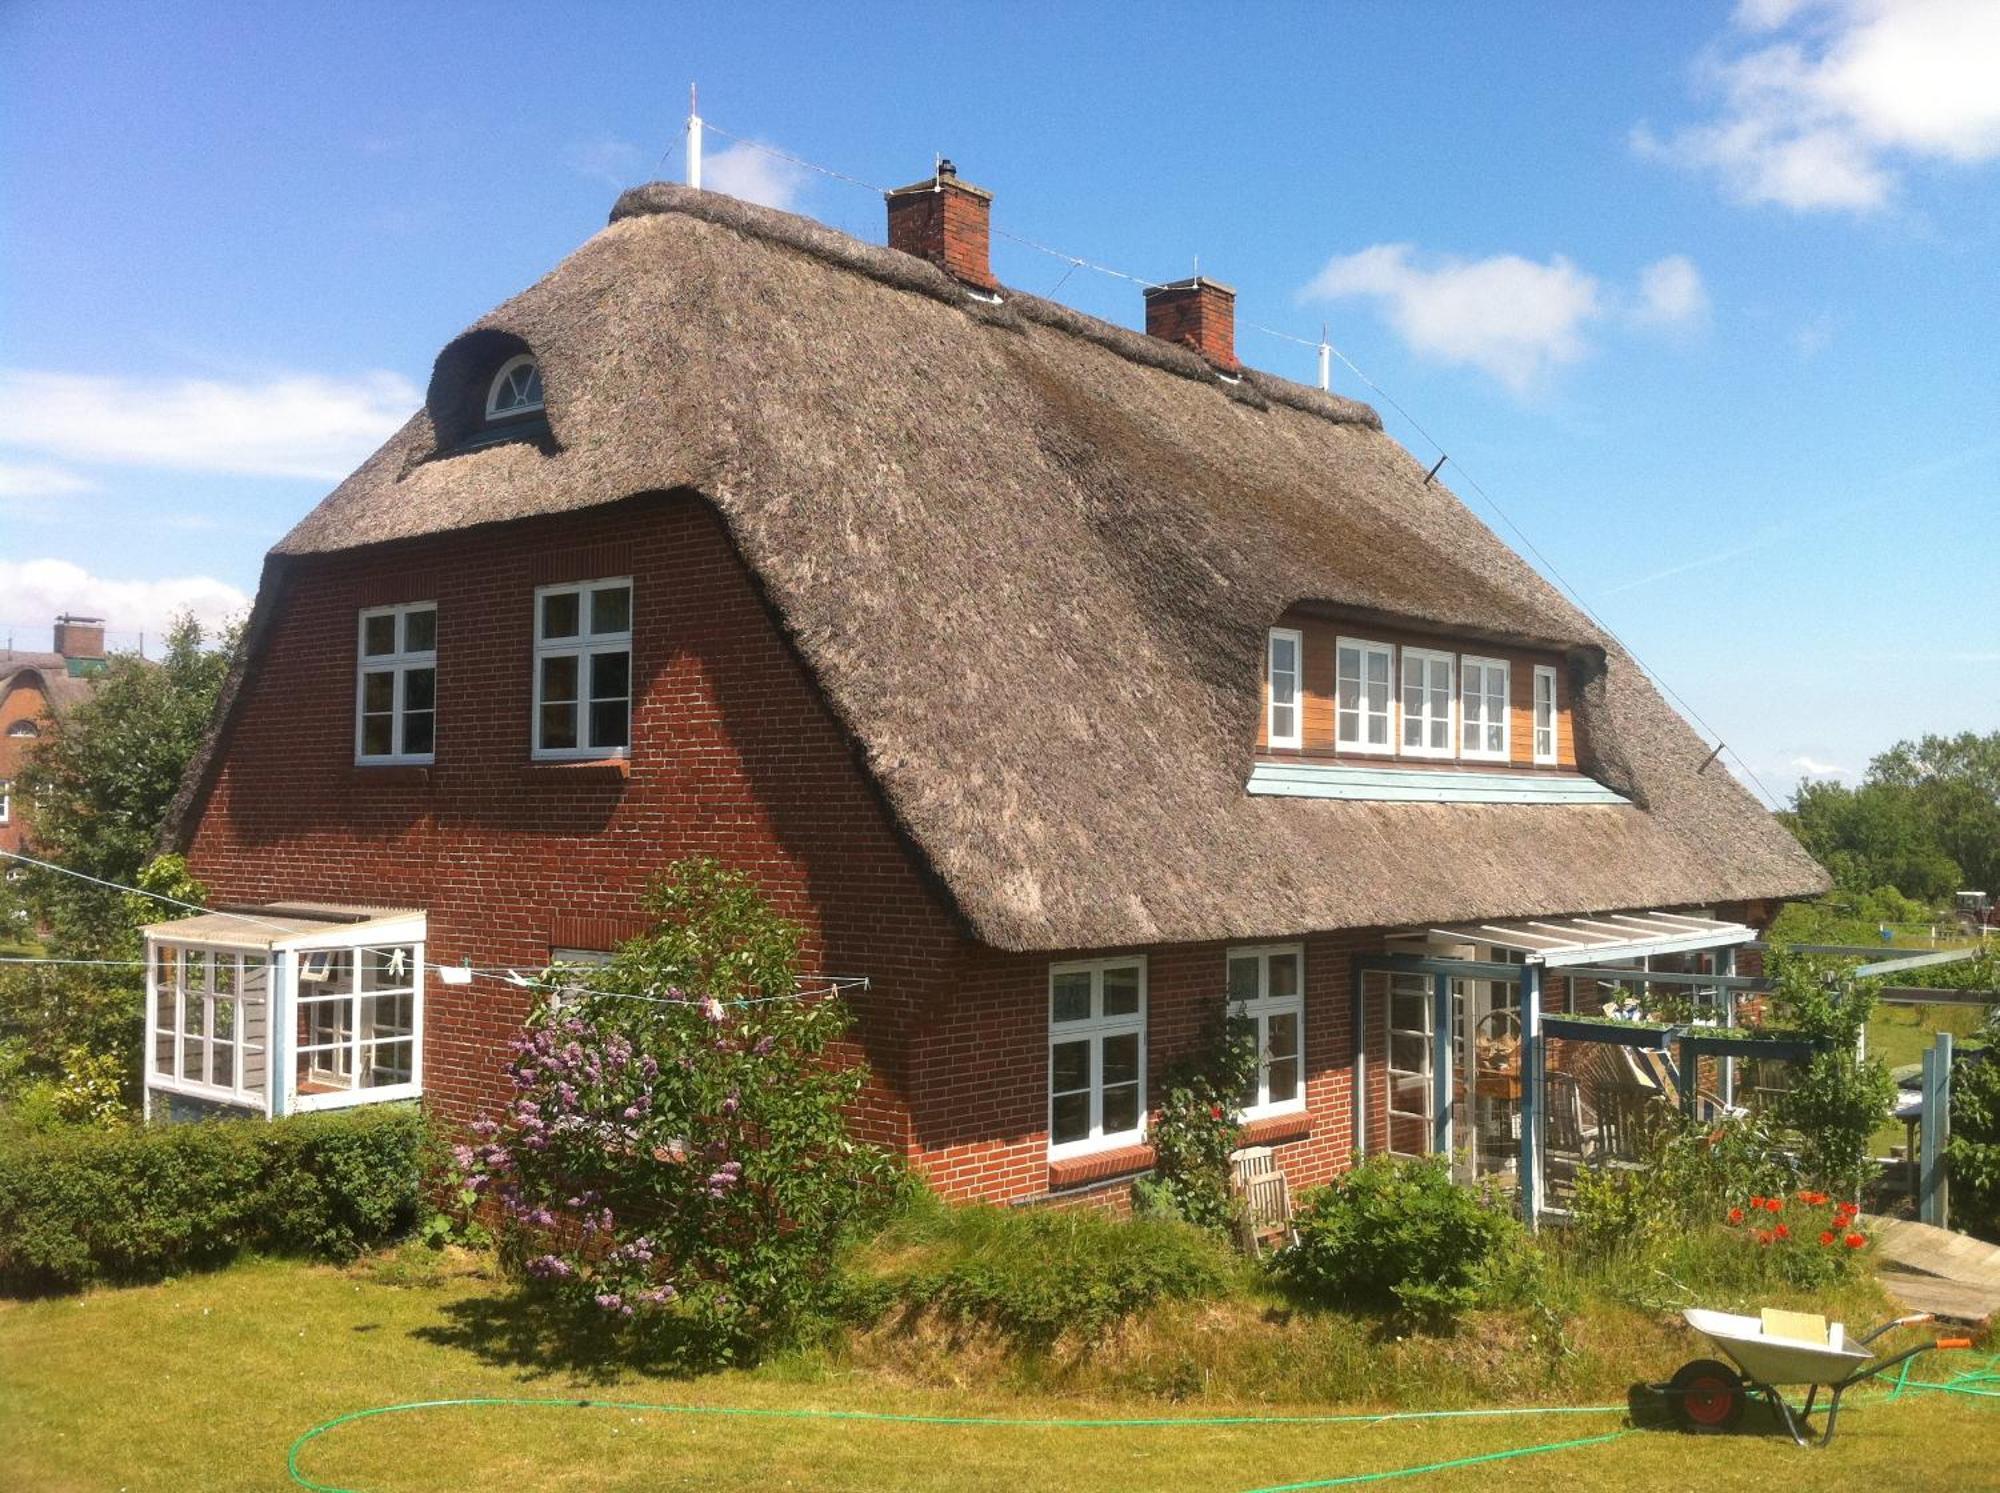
(1545, 714)
(24, 729)
(1281, 675)
(358, 1020)
(1097, 1054)
(395, 696)
(583, 669)
(1365, 697)
(210, 1020)
(6, 801)
(1482, 712)
(516, 389)
(1268, 987)
(1427, 697)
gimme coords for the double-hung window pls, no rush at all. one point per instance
(1427, 696)
(1282, 656)
(583, 669)
(395, 697)
(1267, 986)
(1482, 708)
(1365, 697)
(1545, 715)
(1097, 1054)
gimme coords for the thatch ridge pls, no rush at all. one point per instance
(1030, 558)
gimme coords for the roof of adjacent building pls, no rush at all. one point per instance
(1031, 558)
(58, 685)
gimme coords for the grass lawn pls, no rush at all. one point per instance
(1900, 1035)
(205, 1382)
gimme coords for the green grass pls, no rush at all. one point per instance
(206, 1382)
(1900, 1035)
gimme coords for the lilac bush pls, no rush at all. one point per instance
(674, 1153)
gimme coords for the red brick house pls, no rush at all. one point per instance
(35, 688)
(1065, 682)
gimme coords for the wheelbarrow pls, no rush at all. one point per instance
(1774, 1350)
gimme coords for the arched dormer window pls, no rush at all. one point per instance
(516, 388)
(24, 728)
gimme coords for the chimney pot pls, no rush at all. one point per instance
(1197, 313)
(946, 221)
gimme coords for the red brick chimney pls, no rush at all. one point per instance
(80, 637)
(1198, 314)
(945, 221)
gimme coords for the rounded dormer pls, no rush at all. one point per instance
(487, 388)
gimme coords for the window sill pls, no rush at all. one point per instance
(377, 774)
(1099, 1166)
(1270, 1130)
(590, 768)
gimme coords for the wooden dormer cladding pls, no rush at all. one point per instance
(1320, 638)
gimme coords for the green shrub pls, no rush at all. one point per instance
(1037, 1274)
(1401, 1235)
(1973, 1154)
(1199, 1126)
(81, 1206)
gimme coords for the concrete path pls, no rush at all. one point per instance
(1950, 1275)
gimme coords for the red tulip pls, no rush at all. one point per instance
(1826, 1238)
(1855, 1241)
(1736, 1215)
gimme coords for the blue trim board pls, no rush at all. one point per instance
(1342, 780)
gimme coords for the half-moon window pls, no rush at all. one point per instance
(24, 728)
(517, 388)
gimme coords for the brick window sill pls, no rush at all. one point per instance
(1099, 1166)
(1273, 1129)
(603, 769)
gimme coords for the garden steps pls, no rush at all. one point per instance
(1936, 1270)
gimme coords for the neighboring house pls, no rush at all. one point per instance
(35, 688)
(1065, 682)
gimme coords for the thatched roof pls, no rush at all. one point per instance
(51, 675)
(1030, 558)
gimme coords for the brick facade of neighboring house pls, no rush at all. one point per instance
(34, 689)
(949, 616)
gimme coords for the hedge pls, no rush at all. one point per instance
(82, 1206)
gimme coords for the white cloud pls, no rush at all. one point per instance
(1515, 319)
(1808, 767)
(745, 170)
(1671, 294)
(38, 589)
(40, 480)
(300, 425)
(617, 163)
(1834, 99)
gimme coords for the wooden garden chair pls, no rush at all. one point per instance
(1266, 1218)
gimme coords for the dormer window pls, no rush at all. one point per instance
(516, 389)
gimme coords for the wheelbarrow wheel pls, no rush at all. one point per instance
(1706, 1396)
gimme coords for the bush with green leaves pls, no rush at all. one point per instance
(674, 1160)
(1835, 1102)
(80, 1206)
(1695, 1172)
(1401, 1235)
(1199, 1125)
(1973, 1153)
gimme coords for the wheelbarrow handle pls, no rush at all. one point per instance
(1913, 1320)
(1953, 1342)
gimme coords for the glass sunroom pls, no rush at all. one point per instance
(278, 1009)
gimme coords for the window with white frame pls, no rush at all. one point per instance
(24, 729)
(210, 1020)
(1545, 714)
(1427, 697)
(1281, 675)
(583, 669)
(1482, 708)
(1267, 986)
(571, 970)
(6, 800)
(1365, 697)
(1097, 1054)
(516, 388)
(395, 696)
(357, 1014)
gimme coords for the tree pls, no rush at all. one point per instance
(101, 782)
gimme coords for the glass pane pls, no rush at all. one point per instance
(1283, 1041)
(420, 631)
(560, 614)
(611, 609)
(610, 675)
(610, 724)
(1378, 675)
(387, 1063)
(1284, 976)
(1281, 723)
(1069, 1118)
(378, 737)
(419, 733)
(378, 635)
(1121, 1059)
(1284, 1080)
(1495, 742)
(1409, 1053)
(1378, 729)
(558, 727)
(390, 968)
(225, 974)
(1243, 979)
(1407, 1008)
(225, 1021)
(1069, 1067)
(420, 689)
(1070, 997)
(1121, 990)
(378, 692)
(559, 678)
(1121, 1108)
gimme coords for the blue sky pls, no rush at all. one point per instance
(1702, 296)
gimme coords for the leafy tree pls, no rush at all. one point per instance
(102, 779)
(1838, 1100)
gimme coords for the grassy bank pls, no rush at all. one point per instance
(207, 1381)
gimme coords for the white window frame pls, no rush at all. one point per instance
(1545, 674)
(1427, 657)
(1296, 736)
(1095, 1029)
(1486, 666)
(6, 800)
(500, 376)
(1361, 715)
(356, 1043)
(399, 664)
(1260, 1009)
(583, 647)
(173, 1079)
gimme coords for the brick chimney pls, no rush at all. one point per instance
(1198, 314)
(80, 637)
(945, 221)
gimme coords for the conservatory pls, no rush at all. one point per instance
(288, 1007)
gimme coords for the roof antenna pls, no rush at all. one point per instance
(1325, 361)
(1432, 473)
(693, 140)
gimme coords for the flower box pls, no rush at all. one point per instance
(1654, 1036)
